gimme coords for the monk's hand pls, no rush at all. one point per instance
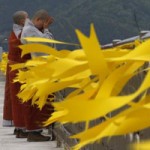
(48, 22)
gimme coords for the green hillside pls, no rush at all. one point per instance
(112, 18)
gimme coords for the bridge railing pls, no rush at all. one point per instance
(63, 132)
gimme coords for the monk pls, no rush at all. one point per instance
(37, 27)
(13, 111)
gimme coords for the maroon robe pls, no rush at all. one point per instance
(7, 109)
(24, 115)
(11, 103)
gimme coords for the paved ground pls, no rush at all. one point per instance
(8, 140)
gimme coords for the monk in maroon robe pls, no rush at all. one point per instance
(25, 116)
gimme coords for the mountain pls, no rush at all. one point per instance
(113, 19)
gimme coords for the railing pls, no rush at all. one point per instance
(63, 132)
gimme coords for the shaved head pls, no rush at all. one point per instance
(41, 14)
(19, 15)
